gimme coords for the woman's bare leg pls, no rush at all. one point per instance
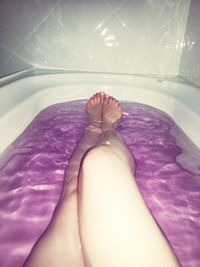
(116, 227)
(60, 245)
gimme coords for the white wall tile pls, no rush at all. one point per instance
(9, 43)
(13, 65)
(141, 36)
(9, 40)
(5, 56)
(23, 17)
(190, 62)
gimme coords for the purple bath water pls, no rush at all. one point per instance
(32, 171)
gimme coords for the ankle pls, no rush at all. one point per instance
(109, 126)
(93, 129)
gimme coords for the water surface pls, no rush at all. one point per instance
(32, 171)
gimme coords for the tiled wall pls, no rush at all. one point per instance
(125, 36)
(190, 61)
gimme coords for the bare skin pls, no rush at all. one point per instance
(101, 219)
(60, 245)
(116, 227)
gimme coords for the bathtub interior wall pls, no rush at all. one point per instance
(120, 36)
(26, 97)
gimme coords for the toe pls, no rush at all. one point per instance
(95, 99)
(92, 101)
(107, 100)
(116, 103)
(103, 97)
(112, 101)
(87, 105)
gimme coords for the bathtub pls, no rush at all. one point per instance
(23, 98)
(24, 95)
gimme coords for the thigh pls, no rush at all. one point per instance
(60, 245)
(117, 228)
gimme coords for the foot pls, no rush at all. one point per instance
(94, 109)
(112, 113)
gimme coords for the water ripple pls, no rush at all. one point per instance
(32, 170)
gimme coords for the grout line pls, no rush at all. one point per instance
(36, 29)
(14, 53)
(11, 31)
(119, 7)
(42, 22)
(107, 18)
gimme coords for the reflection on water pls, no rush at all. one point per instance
(32, 170)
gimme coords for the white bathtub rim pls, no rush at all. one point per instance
(18, 90)
(53, 95)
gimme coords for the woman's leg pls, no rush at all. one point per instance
(116, 227)
(60, 245)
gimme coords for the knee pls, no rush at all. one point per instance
(93, 164)
(96, 155)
